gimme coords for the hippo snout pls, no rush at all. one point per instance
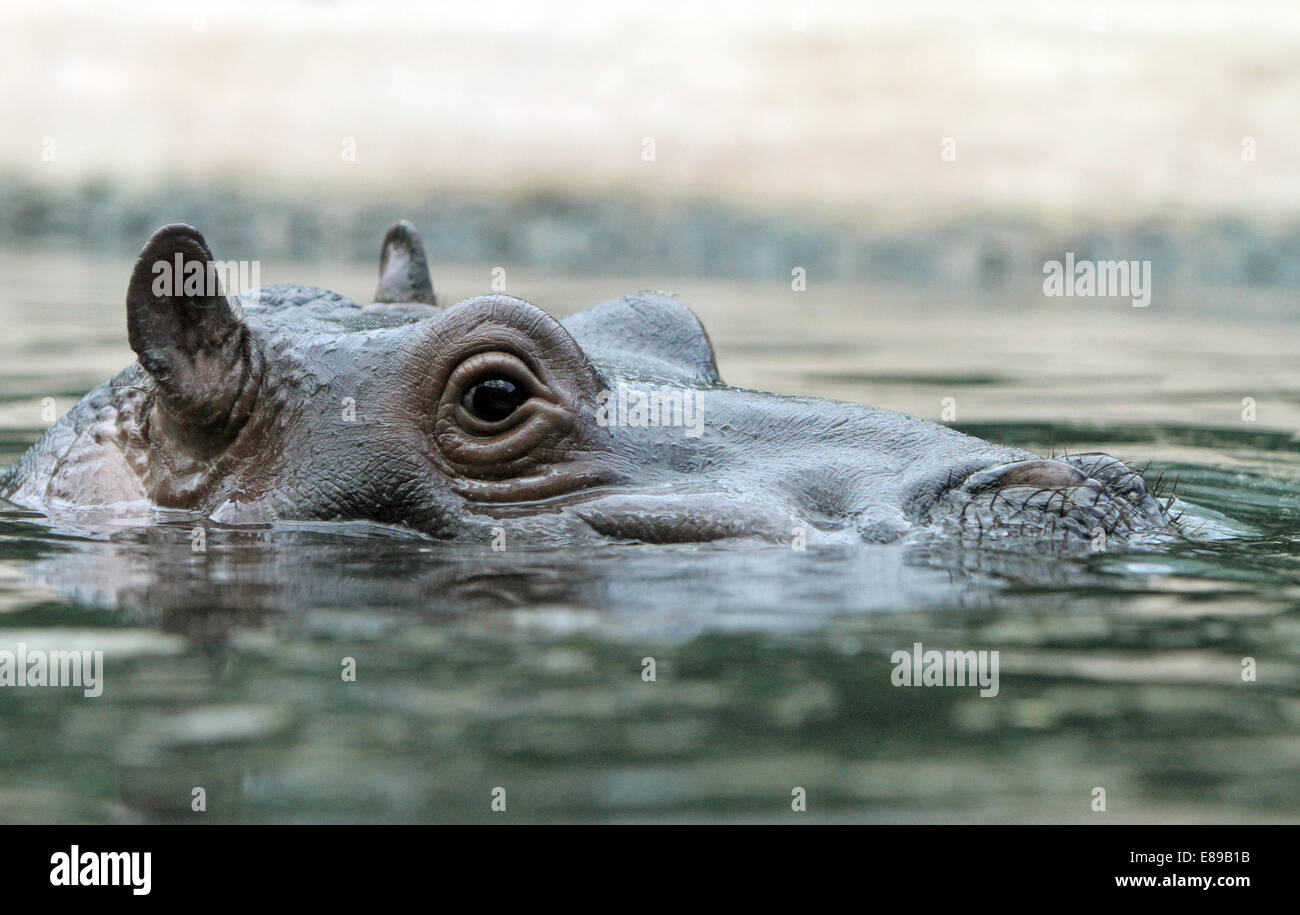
(1084, 499)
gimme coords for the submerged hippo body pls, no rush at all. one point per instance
(492, 419)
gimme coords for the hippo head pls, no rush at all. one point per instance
(491, 419)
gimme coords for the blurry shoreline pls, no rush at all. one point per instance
(612, 235)
(904, 141)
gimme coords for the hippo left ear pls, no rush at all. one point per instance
(191, 339)
(403, 269)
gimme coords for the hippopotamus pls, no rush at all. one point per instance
(491, 421)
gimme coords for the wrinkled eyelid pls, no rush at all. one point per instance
(497, 364)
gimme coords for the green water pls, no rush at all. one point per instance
(525, 670)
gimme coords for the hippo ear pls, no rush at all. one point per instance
(403, 269)
(190, 338)
(652, 331)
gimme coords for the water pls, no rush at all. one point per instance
(524, 670)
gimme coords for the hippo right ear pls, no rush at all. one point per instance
(191, 339)
(403, 269)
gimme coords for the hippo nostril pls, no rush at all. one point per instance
(1039, 474)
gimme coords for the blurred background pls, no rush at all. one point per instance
(924, 141)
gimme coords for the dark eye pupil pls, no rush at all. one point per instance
(493, 400)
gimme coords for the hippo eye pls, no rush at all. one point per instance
(493, 400)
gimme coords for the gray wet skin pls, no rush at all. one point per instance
(293, 403)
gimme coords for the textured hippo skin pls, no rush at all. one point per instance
(490, 418)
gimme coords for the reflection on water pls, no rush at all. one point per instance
(524, 669)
